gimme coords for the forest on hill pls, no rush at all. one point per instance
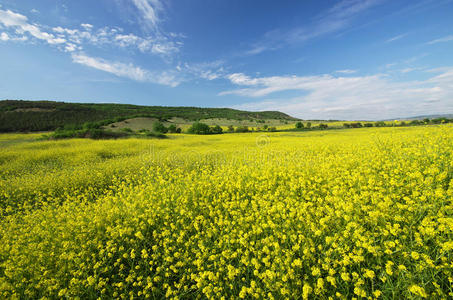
(19, 115)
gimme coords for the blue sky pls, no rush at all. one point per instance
(346, 59)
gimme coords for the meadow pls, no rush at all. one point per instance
(336, 214)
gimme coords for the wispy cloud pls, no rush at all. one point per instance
(21, 26)
(346, 71)
(395, 38)
(333, 20)
(126, 70)
(330, 97)
(448, 38)
(206, 70)
(148, 10)
(74, 39)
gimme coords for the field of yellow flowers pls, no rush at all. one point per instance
(358, 213)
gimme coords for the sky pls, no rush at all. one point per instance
(343, 59)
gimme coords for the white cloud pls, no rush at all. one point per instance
(207, 70)
(71, 39)
(346, 71)
(34, 11)
(149, 11)
(119, 69)
(441, 40)
(87, 26)
(4, 36)
(126, 70)
(395, 38)
(361, 97)
(20, 24)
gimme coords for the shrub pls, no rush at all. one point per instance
(216, 129)
(308, 125)
(126, 129)
(159, 127)
(299, 125)
(230, 128)
(242, 129)
(199, 128)
(172, 128)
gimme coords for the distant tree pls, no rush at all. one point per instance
(159, 127)
(368, 125)
(178, 130)
(379, 124)
(308, 125)
(199, 128)
(272, 129)
(172, 128)
(299, 125)
(242, 129)
(426, 120)
(216, 129)
(230, 128)
(323, 126)
(265, 127)
(346, 125)
(356, 125)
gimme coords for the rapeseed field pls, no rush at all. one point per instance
(339, 214)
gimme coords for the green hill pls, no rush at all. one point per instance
(18, 115)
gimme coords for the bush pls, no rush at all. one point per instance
(172, 128)
(126, 129)
(155, 134)
(93, 133)
(368, 125)
(272, 129)
(323, 126)
(230, 128)
(159, 127)
(299, 125)
(308, 125)
(242, 129)
(199, 128)
(216, 129)
(356, 125)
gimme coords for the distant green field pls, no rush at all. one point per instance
(147, 123)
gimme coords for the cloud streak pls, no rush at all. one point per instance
(126, 70)
(148, 10)
(441, 40)
(333, 20)
(331, 97)
(395, 38)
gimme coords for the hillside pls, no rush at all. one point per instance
(18, 115)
